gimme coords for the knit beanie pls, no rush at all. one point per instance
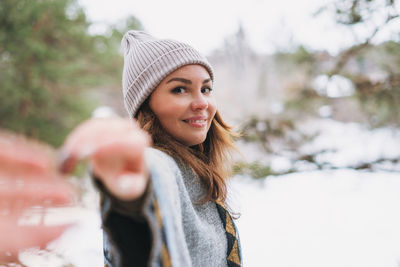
(148, 60)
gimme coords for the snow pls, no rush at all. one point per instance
(81, 244)
(328, 217)
(310, 218)
(321, 218)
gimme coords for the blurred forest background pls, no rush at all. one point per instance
(53, 74)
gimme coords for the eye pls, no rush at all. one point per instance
(178, 90)
(206, 90)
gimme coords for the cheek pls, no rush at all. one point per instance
(160, 104)
(169, 110)
(168, 114)
(212, 107)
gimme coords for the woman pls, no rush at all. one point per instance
(164, 205)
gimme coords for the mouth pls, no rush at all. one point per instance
(196, 123)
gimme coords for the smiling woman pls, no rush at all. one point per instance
(164, 205)
(162, 172)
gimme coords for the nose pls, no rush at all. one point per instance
(199, 102)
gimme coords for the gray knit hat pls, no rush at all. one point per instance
(148, 60)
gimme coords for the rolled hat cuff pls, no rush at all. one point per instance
(145, 83)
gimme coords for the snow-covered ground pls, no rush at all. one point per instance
(307, 219)
(322, 218)
(81, 244)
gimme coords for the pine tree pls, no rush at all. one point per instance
(48, 60)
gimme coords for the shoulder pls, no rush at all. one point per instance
(153, 153)
(160, 161)
(166, 179)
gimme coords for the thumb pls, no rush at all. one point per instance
(128, 185)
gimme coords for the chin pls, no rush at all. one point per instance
(195, 141)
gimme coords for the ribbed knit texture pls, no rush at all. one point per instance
(194, 233)
(148, 60)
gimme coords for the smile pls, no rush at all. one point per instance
(196, 123)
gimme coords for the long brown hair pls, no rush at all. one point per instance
(210, 160)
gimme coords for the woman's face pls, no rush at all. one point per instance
(184, 104)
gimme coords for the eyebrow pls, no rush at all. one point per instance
(185, 80)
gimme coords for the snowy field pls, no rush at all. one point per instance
(311, 218)
(331, 218)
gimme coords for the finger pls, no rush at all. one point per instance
(20, 156)
(23, 194)
(89, 136)
(66, 161)
(90, 131)
(119, 155)
(15, 238)
(127, 186)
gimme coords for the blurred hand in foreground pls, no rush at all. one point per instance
(115, 149)
(29, 181)
(31, 177)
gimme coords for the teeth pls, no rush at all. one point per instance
(196, 121)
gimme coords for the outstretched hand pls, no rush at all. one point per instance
(28, 179)
(115, 148)
(31, 176)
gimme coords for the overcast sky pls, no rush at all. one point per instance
(205, 24)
